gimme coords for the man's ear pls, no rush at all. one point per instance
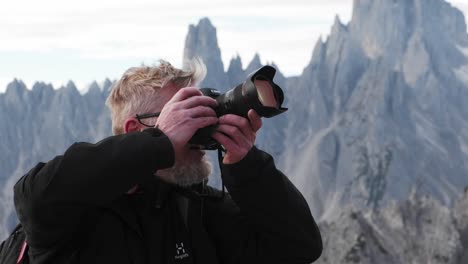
(131, 125)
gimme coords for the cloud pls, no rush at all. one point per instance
(146, 30)
(85, 25)
(107, 32)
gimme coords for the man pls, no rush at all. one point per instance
(140, 197)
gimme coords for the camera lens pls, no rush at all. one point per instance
(258, 92)
(266, 94)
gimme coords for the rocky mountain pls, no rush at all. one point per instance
(375, 136)
(417, 230)
(376, 120)
(41, 123)
(385, 108)
(202, 42)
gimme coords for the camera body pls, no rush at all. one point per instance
(257, 92)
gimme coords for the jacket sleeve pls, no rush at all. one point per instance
(274, 222)
(53, 198)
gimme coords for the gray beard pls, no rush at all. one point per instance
(186, 174)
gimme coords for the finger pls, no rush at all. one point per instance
(234, 133)
(201, 122)
(201, 111)
(185, 93)
(198, 100)
(255, 120)
(242, 123)
(224, 140)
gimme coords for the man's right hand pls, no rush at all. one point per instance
(186, 112)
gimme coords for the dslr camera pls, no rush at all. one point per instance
(257, 92)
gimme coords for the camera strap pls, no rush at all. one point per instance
(221, 150)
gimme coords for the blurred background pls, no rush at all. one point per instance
(376, 137)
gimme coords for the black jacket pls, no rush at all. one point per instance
(76, 209)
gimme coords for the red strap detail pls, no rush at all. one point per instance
(23, 250)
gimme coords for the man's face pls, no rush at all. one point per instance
(191, 167)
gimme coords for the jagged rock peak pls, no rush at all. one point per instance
(205, 23)
(16, 86)
(94, 85)
(318, 51)
(235, 63)
(407, 16)
(42, 91)
(254, 64)
(39, 86)
(381, 25)
(107, 85)
(235, 72)
(256, 59)
(69, 89)
(93, 89)
(338, 26)
(201, 42)
(71, 85)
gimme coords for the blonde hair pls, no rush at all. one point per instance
(137, 91)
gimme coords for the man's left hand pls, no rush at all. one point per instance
(237, 134)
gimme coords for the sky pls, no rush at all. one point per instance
(55, 41)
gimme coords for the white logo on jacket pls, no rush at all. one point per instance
(180, 251)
